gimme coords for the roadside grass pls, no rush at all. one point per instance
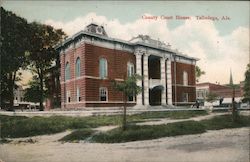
(54, 124)
(20, 126)
(13, 127)
(146, 132)
(182, 114)
(7, 118)
(225, 121)
(77, 135)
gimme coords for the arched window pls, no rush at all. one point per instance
(78, 67)
(103, 68)
(185, 78)
(130, 69)
(67, 71)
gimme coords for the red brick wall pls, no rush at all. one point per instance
(89, 56)
(117, 69)
(180, 68)
(117, 61)
(180, 89)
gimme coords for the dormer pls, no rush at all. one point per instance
(95, 29)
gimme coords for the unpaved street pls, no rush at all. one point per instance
(229, 145)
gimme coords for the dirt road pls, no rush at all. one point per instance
(229, 145)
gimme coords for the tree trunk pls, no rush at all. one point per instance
(124, 123)
(12, 78)
(234, 111)
(41, 91)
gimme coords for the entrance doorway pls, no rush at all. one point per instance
(155, 96)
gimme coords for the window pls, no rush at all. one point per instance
(78, 68)
(78, 98)
(68, 96)
(103, 92)
(185, 97)
(67, 71)
(185, 78)
(131, 98)
(103, 68)
(130, 69)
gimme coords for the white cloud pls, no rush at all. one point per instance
(199, 39)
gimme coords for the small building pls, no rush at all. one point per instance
(18, 95)
(90, 60)
(224, 92)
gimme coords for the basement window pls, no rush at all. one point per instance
(103, 93)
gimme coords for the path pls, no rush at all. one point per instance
(229, 145)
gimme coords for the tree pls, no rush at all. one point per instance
(198, 73)
(128, 88)
(31, 92)
(42, 53)
(246, 87)
(211, 97)
(14, 45)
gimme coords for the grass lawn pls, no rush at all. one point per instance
(77, 135)
(6, 118)
(183, 114)
(225, 121)
(146, 132)
(18, 126)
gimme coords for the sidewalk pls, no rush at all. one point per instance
(95, 111)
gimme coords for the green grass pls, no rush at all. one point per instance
(54, 124)
(225, 121)
(77, 135)
(7, 118)
(19, 126)
(183, 114)
(146, 132)
(135, 133)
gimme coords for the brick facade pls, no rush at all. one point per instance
(89, 81)
(178, 87)
(162, 74)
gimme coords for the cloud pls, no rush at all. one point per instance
(199, 39)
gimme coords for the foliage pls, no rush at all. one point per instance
(32, 93)
(14, 45)
(211, 97)
(146, 132)
(129, 88)
(198, 73)
(77, 135)
(43, 53)
(247, 85)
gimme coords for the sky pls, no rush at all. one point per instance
(220, 44)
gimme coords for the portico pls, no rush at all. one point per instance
(155, 69)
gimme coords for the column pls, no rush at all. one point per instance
(145, 79)
(138, 56)
(163, 81)
(169, 82)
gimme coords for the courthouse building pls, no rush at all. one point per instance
(91, 60)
